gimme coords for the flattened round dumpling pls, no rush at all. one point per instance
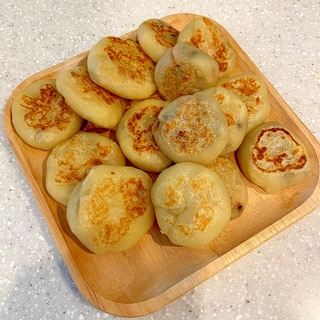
(236, 114)
(253, 92)
(273, 157)
(184, 70)
(69, 162)
(134, 134)
(122, 67)
(155, 36)
(89, 100)
(192, 128)
(191, 204)
(41, 116)
(111, 209)
(207, 35)
(229, 172)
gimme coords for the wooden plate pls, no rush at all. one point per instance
(154, 273)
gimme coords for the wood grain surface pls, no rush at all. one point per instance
(155, 272)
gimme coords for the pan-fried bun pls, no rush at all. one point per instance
(191, 204)
(111, 209)
(69, 162)
(229, 172)
(122, 67)
(236, 114)
(89, 100)
(207, 35)
(273, 157)
(134, 134)
(192, 128)
(184, 70)
(41, 116)
(253, 92)
(155, 36)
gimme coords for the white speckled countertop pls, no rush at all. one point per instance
(278, 280)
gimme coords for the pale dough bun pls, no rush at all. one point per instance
(192, 128)
(229, 172)
(69, 162)
(207, 35)
(122, 67)
(41, 116)
(111, 209)
(191, 204)
(236, 114)
(90, 101)
(184, 70)
(155, 36)
(134, 134)
(253, 92)
(273, 157)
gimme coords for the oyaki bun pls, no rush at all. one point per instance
(253, 92)
(122, 67)
(111, 209)
(229, 172)
(93, 103)
(134, 134)
(183, 70)
(236, 115)
(205, 34)
(191, 203)
(191, 128)
(155, 36)
(41, 116)
(273, 157)
(69, 162)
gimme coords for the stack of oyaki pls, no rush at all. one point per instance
(148, 130)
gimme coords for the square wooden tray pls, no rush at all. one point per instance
(154, 273)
